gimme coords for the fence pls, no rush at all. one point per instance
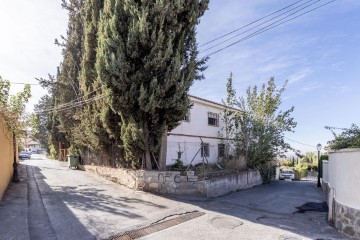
(207, 157)
(110, 156)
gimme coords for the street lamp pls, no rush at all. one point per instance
(318, 147)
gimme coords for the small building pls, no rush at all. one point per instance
(30, 145)
(200, 136)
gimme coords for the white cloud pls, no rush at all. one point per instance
(298, 76)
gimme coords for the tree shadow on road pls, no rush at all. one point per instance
(262, 205)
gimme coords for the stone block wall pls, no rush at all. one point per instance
(172, 182)
(347, 220)
(231, 183)
(125, 177)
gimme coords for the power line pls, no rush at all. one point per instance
(330, 128)
(24, 83)
(300, 142)
(265, 29)
(218, 44)
(75, 104)
(73, 101)
(227, 34)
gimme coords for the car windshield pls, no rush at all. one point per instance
(23, 152)
(288, 172)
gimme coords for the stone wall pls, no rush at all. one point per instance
(340, 183)
(122, 176)
(173, 182)
(232, 183)
(347, 220)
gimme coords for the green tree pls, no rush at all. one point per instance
(260, 125)
(146, 63)
(12, 107)
(309, 157)
(68, 77)
(349, 138)
(92, 133)
(40, 121)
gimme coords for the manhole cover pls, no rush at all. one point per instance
(313, 206)
(138, 233)
(224, 222)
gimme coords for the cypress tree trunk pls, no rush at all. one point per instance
(163, 152)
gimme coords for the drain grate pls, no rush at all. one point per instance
(156, 227)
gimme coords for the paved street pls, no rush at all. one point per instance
(54, 202)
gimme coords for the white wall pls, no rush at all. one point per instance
(344, 176)
(325, 171)
(198, 126)
(189, 147)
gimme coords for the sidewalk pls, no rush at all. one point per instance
(23, 214)
(53, 202)
(13, 210)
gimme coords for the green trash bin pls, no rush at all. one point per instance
(73, 161)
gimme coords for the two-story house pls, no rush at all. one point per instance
(200, 134)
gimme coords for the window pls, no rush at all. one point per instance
(221, 150)
(187, 117)
(205, 151)
(213, 119)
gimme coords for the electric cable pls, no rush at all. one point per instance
(237, 35)
(227, 34)
(265, 29)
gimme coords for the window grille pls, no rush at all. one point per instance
(205, 150)
(213, 119)
(221, 150)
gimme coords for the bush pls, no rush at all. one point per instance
(267, 173)
(301, 171)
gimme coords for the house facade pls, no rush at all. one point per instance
(200, 136)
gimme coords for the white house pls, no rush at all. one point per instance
(202, 124)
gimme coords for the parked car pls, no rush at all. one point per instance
(287, 174)
(24, 155)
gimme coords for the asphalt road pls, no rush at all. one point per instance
(54, 202)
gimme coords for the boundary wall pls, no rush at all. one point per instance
(175, 183)
(341, 178)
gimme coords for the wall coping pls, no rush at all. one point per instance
(344, 150)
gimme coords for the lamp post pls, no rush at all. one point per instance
(318, 147)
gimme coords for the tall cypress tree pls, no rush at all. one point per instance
(146, 63)
(68, 77)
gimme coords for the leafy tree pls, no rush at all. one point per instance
(40, 121)
(259, 125)
(349, 138)
(146, 63)
(309, 157)
(12, 107)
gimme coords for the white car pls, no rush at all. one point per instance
(287, 174)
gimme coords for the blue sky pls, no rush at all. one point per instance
(318, 53)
